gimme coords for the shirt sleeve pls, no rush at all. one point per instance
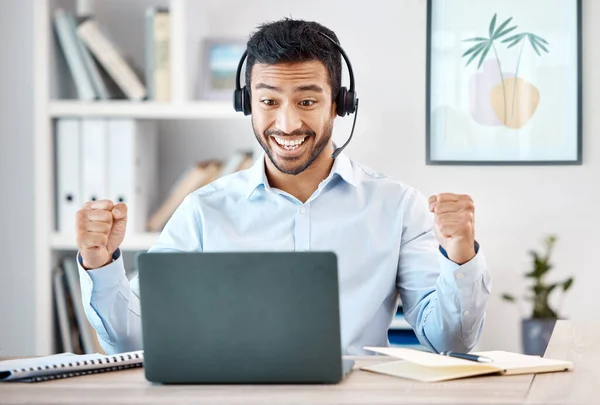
(111, 301)
(444, 302)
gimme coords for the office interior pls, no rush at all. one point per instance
(518, 206)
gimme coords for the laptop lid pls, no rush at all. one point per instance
(240, 317)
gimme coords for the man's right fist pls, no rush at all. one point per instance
(100, 228)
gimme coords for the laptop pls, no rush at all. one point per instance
(241, 317)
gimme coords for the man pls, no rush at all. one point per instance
(297, 197)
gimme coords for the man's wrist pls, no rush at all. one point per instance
(113, 257)
(463, 259)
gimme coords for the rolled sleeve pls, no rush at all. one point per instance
(96, 285)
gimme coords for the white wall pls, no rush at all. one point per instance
(515, 206)
(17, 320)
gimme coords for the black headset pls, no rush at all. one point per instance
(346, 100)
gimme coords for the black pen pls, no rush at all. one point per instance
(466, 356)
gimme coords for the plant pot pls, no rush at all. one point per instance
(514, 101)
(535, 334)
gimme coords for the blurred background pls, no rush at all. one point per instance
(145, 86)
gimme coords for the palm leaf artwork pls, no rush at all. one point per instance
(537, 43)
(483, 46)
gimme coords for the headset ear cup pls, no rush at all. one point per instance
(351, 102)
(237, 100)
(247, 103)
(340, 102)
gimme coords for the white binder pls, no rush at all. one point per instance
(94, 144)
(132, 171)
(68, 184)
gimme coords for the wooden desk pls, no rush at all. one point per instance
(360, 387)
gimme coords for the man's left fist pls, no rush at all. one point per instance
(454, 225)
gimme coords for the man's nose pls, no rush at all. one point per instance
(288, 119)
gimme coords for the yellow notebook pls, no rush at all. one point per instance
(431, 367)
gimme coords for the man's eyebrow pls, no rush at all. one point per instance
(268, 87)
(308, 87)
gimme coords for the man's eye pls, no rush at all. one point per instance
(268, 102)
(307, 103)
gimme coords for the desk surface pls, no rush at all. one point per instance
(577, 344)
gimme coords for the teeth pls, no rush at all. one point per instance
(285, 142)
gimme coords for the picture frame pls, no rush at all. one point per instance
(503, 82)
(220, 58)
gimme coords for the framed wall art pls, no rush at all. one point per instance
(220, 58)
(503, 82)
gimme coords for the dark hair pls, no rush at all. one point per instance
(289, 41)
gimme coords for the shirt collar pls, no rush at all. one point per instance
(342, 166)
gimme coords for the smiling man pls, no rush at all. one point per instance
(390, 241)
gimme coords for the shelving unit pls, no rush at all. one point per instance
(132, 242)
(143, 110)
(55, 99)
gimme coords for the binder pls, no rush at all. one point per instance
(93, 156)
(68, 182)
(132, 168)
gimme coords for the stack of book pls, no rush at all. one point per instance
(99, 68)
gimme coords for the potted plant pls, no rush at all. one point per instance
(536, 330)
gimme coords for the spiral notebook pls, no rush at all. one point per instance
(65, 365)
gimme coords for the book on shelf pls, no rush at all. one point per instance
(69, 43)
(112, 58)
(198, 176)
(74, 332)
(99, 67)
(158, 53)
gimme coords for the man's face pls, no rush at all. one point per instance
(292, 113)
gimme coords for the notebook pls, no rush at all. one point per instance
(431, 367)
(65, 365)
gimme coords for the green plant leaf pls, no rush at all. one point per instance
(508, 297)
(484, 54)
(552, 287)
(539, 43)
(567, 284)
(475, 55)
(492, 26)
(476, 39)
(513, 43)
(473, 49)
(503, 33)
(534, 46)
(514, 37)
(500, 28)
(544, 41)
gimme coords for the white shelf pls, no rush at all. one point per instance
(140, 241)
(399, 323)
(141, 109)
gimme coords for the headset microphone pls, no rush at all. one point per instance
(346, 99)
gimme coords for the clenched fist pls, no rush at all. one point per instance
(100, 228)
(455, 225)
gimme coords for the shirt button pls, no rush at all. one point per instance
(301, 210)
(460, 275)
(466, 313)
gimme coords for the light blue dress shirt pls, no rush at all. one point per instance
(380, 229)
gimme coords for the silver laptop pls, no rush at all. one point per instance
(242, 317)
